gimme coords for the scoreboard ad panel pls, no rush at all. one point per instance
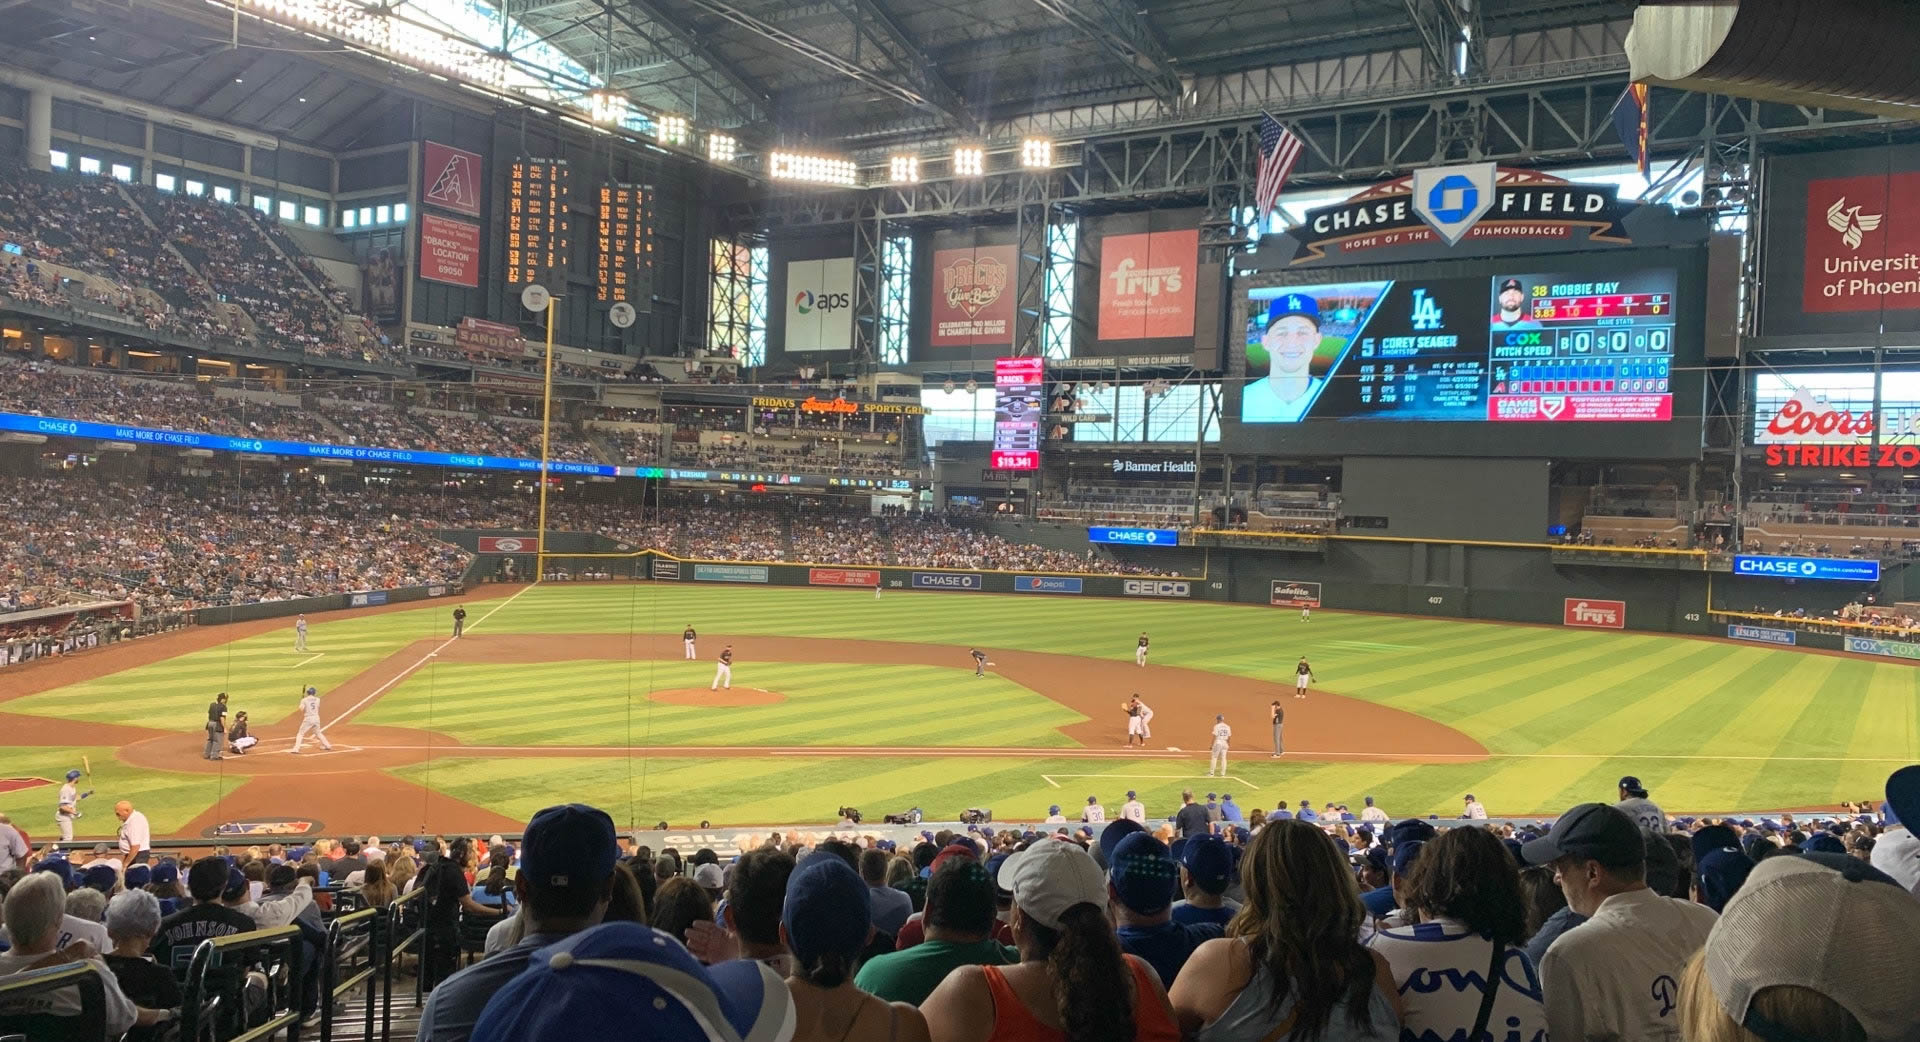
(1019, 391)
(1597, 356)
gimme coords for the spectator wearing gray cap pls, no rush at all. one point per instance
(1811, 948)
(1635, 804)
(1617, 975)
(565, 882)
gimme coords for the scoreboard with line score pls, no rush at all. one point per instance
(538, 225)
(624, 255)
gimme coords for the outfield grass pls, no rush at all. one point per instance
(1565, 713)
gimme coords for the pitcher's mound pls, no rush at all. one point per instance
(700, 696)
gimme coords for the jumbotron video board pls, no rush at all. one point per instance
(1527, 356)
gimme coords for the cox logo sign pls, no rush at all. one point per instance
(806, 301)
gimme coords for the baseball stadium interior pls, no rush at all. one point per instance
(739, 520)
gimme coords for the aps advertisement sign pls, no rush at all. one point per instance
(820, 305)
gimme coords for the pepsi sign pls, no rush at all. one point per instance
(1135, 536)
(1830, 568)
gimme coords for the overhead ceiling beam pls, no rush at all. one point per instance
(1125, 33)
(749, 101)
(907, 93)
(873, 19)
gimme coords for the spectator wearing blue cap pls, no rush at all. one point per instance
(1635, 804)
(34, 909)
(826, 924)
(1719, 866)
(1604, 978)
(1293, 965)
(1465, 890)
(959, 923)
(1289, 341)
(1144, 880)
(1230, 811)
(1372, 813)
(1206, 867)
(625, 980)
(1897, 850)
(1054, 817)
(565, 882)
(1402, 845)
(1306, 813)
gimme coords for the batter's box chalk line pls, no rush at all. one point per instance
(304, 753)
(1049, 778)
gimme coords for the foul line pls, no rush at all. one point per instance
(1161, 777)
(304, 661)
(424, 659)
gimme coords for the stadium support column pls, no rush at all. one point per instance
(39, 128)
(1031, 215)
(869, 237)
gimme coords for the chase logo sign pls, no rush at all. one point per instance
(1452, 199)
(1830, 568)
(947, 581)
(1156, 588)
(1135, 536)
(1045, 584)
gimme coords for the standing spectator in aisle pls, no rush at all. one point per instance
(1143, 881)
(1617, 975)
(1635, 804)
(1466, 892)
(1811, 948)
(1191, 819)
(136, 836)
(564, 884)
(960, 920)
(1291, 965)
(444, 879)
(826, 922)
(1072, 980)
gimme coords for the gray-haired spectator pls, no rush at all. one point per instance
(132, 920)
(1617, 975)
(87, 903)
(34, 909)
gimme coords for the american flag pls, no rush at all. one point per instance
(1278, 151)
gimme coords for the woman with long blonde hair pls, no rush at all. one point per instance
(1291, 966)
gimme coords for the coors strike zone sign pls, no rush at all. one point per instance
(973, 297)
(1445, 205)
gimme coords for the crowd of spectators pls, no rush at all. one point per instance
(1614, 921)
(173, 548)
(794, 456)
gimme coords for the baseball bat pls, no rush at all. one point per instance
(86, 764)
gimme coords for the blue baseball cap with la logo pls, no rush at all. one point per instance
(1293, 304)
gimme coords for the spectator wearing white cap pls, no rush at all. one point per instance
(1617, 975)
(1072, 980)
(1812, 948)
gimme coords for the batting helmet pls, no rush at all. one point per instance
(73, 775)
(311, 691)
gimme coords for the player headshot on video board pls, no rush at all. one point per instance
(1296, 338)
(1510, 307)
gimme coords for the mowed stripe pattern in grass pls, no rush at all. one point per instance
(604, 702)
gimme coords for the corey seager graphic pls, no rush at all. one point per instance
(310, 721)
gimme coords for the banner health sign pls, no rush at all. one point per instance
(730, 573)
(1835, 568)
(1889, 648)
(1135, 536)
(1762, 634)
(1045, 584)
(946, 581)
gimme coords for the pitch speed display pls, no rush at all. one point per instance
(1529, 347)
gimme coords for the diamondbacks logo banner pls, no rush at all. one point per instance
(450, 178)
(1446, 206)
(973, 296)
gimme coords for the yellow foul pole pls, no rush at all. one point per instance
(546, 429)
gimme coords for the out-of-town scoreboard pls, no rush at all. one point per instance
(537, 224)
(624, 264)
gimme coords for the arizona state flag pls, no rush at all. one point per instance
(1630, 122)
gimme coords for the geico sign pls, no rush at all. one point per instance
(806, 301)
(1156, 588)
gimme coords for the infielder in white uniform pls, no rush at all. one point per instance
(723, 674)
(1221, 732)
(300, 633)
(310, 721)
(686, 640)
(1137, 717)
(69, 808)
